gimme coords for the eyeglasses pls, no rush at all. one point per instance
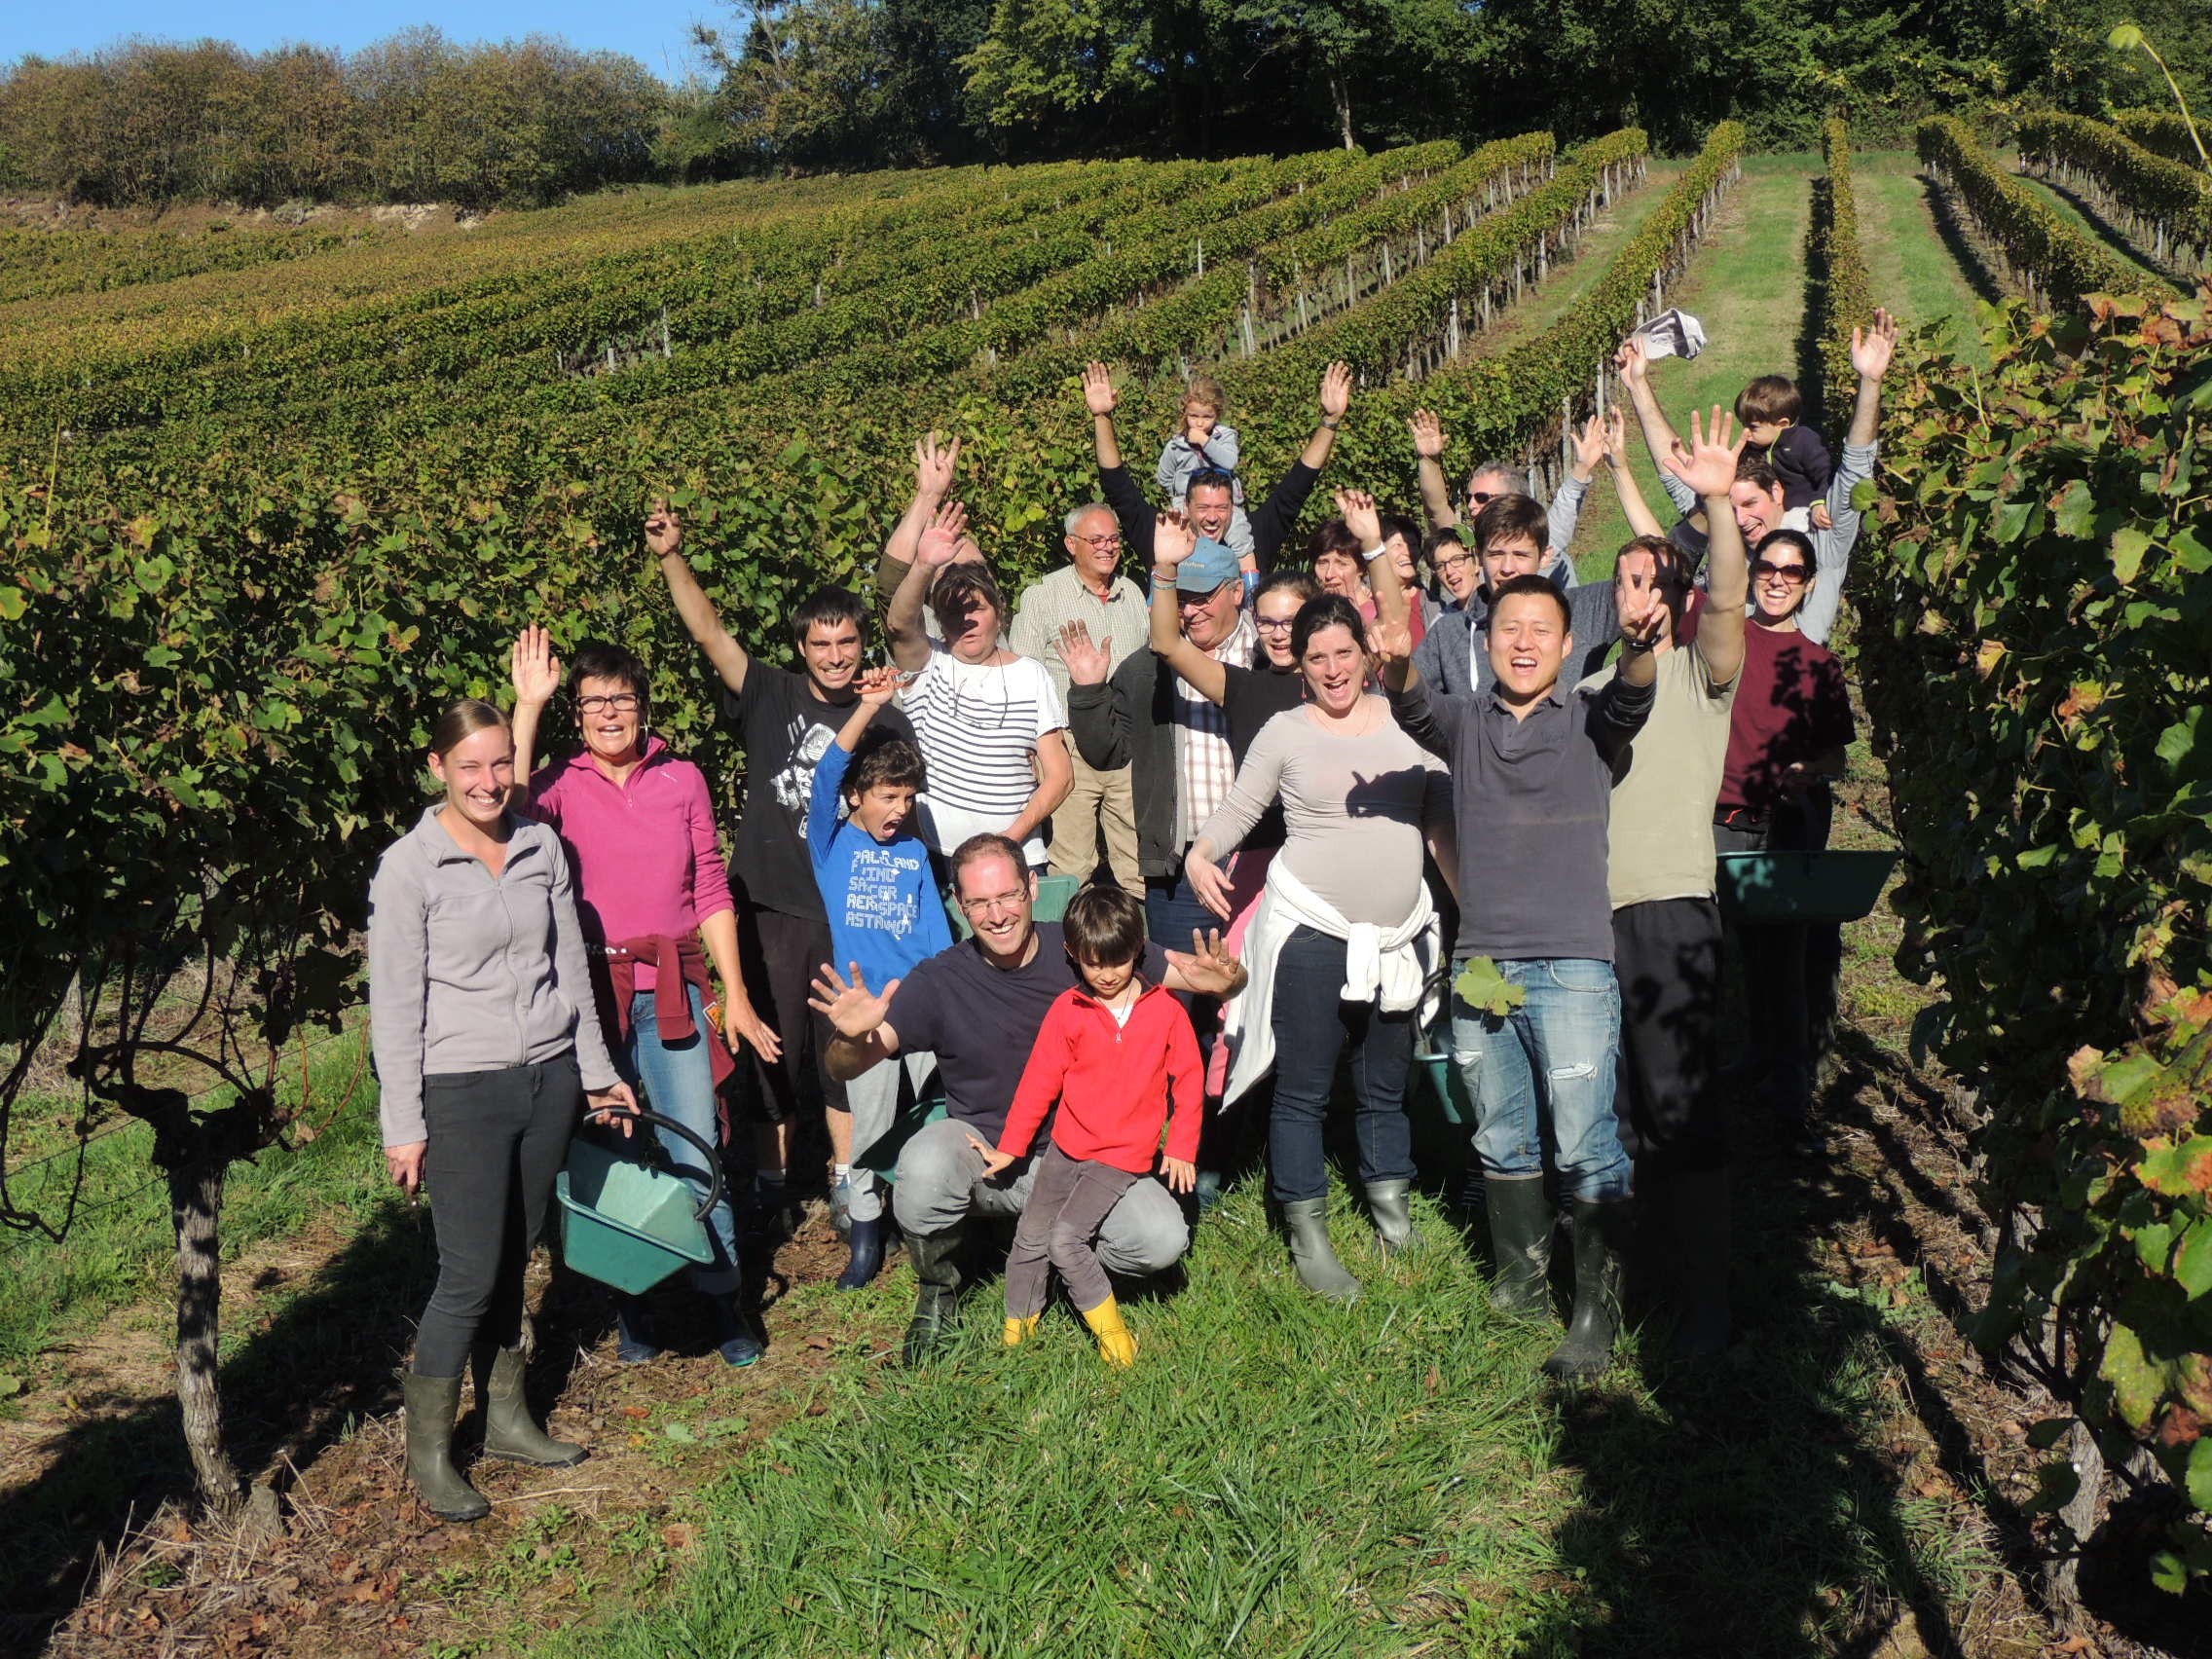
(996, 902)
(1274, 624)
(1483, 498)
(1200, 600)
(621, 703)
(1448, 566)
(1113, 539)
(1790, 574)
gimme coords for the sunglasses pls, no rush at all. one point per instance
(1792, 574)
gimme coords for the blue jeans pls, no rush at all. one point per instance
(1313, 1023)
(1556, 1053)
(677, 1080)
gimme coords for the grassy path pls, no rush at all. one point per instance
(1746, 284)
(2070, 208)
(1910, 258)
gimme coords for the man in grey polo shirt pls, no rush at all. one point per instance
(1532, 763)
(1090, 589)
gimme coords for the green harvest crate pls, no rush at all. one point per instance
(625, 1223)
(1802, 887)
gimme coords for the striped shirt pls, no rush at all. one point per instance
(978, 724)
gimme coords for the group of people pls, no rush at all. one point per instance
(1208, 820)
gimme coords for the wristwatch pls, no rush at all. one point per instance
(1637, 646)
(1332, 422)
(1368, 555)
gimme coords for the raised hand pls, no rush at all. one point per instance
(1589, 448)
(877, 686)
(940, 543)
(1617, 435)
(1098, 389)
(1356, 507)
(934, 466)
(1872, 348)
(1336, 390)
(1428, 434)
(1643, 610)
(1707, 463)
(1209, 969)
(534, 668)
(1086, 659)
(664, 534)
(1173, 541)
(1820, 516)
(1630, 362)
(849, 1004)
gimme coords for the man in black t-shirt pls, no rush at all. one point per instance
(978, 1008)
(785, 721)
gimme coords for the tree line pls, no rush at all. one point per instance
(844, 85)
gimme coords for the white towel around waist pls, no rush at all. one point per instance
(1391, 965)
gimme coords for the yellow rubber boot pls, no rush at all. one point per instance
(1116, 1342)
(1021, 1328)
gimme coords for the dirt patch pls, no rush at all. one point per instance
(352, 1566)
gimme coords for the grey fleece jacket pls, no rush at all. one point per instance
(471, 972)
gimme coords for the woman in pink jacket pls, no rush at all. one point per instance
(650, 889)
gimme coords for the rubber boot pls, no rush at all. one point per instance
(1020, 1327)
(1307, 1221)
(867, 1258)
(936, 1271)
(1390, 1202)
(432, 1403)
(510, 1432)
(734, 1340)
(1116, 1342)
(1699, 1206)
(637, 1334)
(1521, 1224)
(1600, 1231)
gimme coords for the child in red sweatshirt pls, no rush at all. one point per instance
(1111, 1051)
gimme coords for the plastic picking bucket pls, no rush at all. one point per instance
(1802, 887)
(627, 1224)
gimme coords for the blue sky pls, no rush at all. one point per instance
(652, 31)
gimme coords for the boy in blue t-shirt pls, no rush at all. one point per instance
(885, 916)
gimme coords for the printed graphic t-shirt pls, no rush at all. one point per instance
(785, 729)
(884, 910)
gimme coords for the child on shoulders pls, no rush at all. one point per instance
(1205, 445)
(874, 870)
(1113, 1052)
(1772, 410)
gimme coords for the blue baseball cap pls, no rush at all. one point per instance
(1209, 566)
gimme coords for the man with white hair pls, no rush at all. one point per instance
(1090, 589)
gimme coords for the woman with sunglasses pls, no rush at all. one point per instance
(1786, 739)
(651, 888)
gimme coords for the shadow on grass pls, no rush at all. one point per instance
(1964, 253)
(295, 1383)
(2114, 236)
(1744, 1505)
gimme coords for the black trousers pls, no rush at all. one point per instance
(779, 956)
(1667, 957)
(498, 1138)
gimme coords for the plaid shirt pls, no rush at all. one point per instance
(1205, 767)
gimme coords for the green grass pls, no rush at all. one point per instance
(1913, 272)
(118, 1249)
(1281, 1476)
(1746, 284)
(2096, 230)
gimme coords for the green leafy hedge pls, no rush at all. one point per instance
(2162, 132)
(2035, 640)
(2049, 255)
(1845, 295)
(2167, 204)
